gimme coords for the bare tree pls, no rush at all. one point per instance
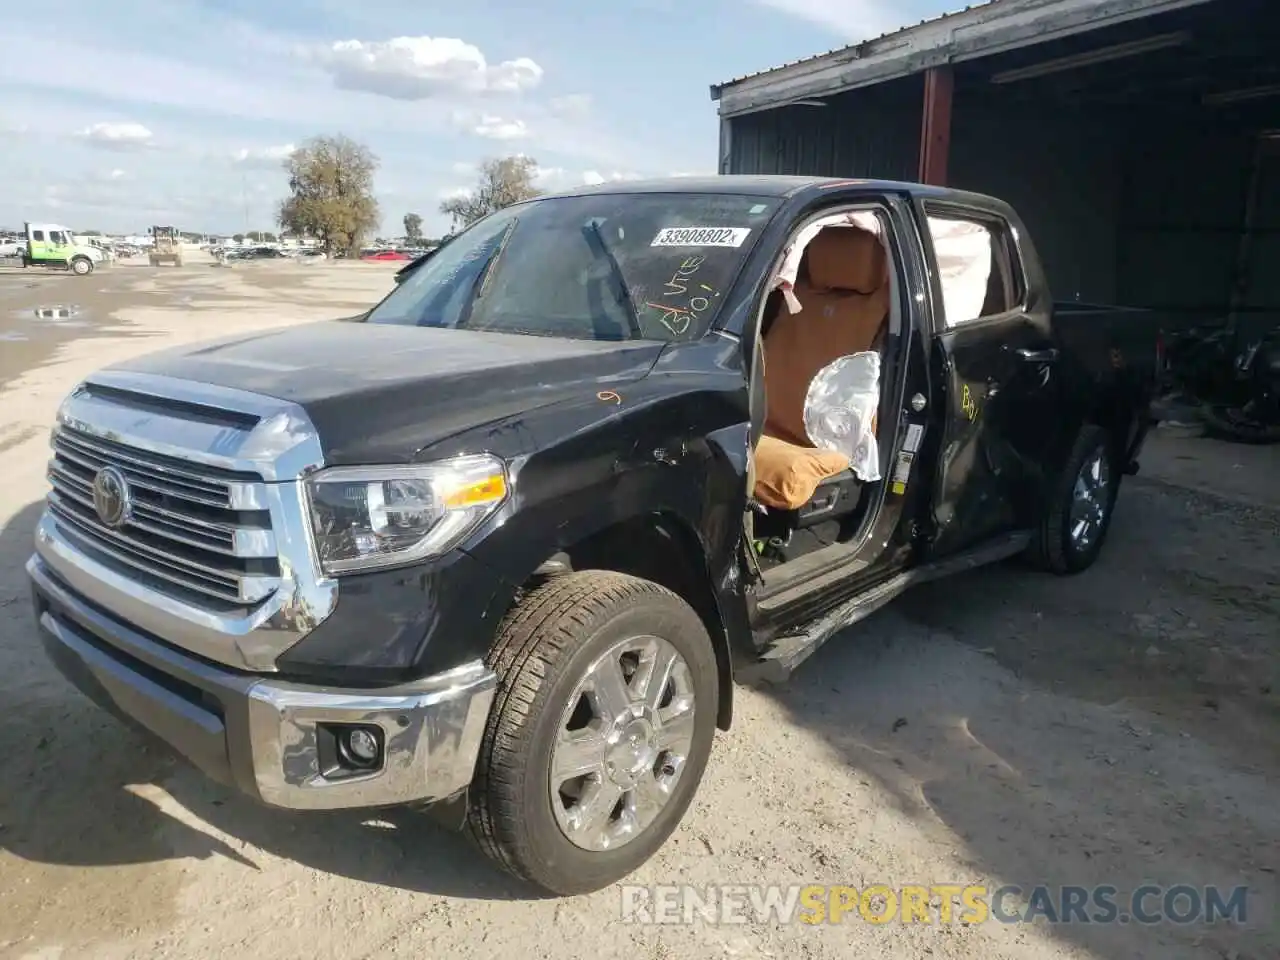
(502, 182)
(331, 193)
(412, 227)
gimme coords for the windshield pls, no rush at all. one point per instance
(612, 266)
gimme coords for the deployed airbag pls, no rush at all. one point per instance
(963, 250)
(840, 411)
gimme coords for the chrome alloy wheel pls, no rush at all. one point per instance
(1090, 500)
(622, 743)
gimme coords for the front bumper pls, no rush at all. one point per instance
(270, 739)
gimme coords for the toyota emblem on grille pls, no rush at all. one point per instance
(111, 497)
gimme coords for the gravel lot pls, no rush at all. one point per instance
(1002, 727)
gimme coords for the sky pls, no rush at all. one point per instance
(122, 114)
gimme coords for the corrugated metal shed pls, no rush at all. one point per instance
(995, 27)
(1136, 190)
(872, 133)
(865, 45)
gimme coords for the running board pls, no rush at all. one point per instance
(781, 658)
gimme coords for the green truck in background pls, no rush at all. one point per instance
(53, 247)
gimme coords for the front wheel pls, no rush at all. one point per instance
(600, 733)
(1078, 511)
(81, 266)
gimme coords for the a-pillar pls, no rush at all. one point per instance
(935, 126)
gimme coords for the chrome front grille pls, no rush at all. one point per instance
(199, 533)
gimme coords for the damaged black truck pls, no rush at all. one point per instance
(502, 546)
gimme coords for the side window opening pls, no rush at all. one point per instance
(977, 267)
(37, 235)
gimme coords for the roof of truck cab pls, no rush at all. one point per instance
(753, 185)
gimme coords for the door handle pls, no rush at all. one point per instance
(1046, 355)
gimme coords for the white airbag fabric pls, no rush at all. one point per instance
(963, 250)
(785, 278)
(840, 408)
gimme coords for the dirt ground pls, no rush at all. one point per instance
(1003, 727)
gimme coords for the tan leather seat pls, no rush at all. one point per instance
(845, 303)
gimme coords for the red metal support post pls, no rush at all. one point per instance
(935, 126)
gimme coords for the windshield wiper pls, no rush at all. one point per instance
(481, 282)
(595, 239)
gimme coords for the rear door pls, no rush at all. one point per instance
(996, 364)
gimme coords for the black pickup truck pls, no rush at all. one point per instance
(501, 546)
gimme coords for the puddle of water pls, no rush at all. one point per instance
(56, 313)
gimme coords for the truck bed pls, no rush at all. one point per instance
(1104, 337)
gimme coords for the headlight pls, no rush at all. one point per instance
(369, 517)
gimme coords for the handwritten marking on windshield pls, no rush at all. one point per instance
(676, 319)
(678, 283)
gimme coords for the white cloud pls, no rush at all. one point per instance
(854, 20)
(263, 156)
(421, 68)
(456, 193)
(574, 105)
(550, 178)
(591, 178)
(496, 128)
(117, 136)
(464, 169)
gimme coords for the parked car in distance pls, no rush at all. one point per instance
(382, 256)
(502, 545)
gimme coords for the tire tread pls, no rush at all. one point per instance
(529, 644)
(1048, 549)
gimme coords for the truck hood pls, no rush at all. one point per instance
(381, 393)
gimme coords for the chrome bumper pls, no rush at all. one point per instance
(264, 736)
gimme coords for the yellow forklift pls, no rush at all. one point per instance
(166, 246)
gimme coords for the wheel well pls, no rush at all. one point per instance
(664, 549)
(1116, 419)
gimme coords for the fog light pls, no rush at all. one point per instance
(359, 747)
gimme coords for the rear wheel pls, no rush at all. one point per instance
(600, 733)
(1078, 511)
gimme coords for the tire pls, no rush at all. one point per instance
(81, 266)
(1221, 421)
(153, 261)
(1054, 548)
(543, 653)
